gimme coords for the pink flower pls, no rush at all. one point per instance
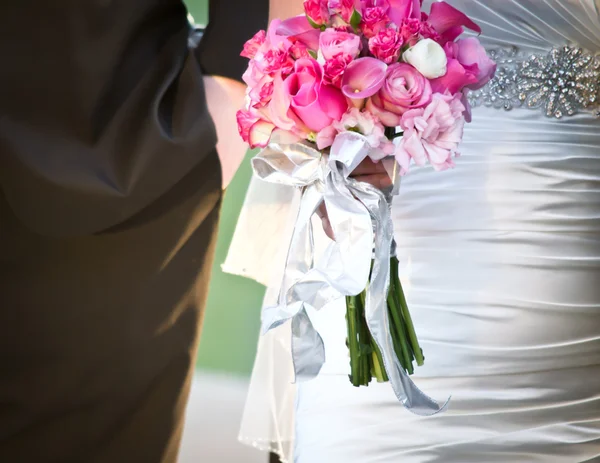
(471, 53)
(448, 22)
(277, 61)
(299, 50)
(362, 122)
(386, 45)
(410, 30)
(458, 75)
(334, 69)
(254, 130)
(403, 9)
(315, 103)
(363, 78)
(317, 11)
(404, 89)
(252, 45)
(332, 43)
(296, 29)
(432, 133)
(344, 8)
(374, 19)
(261, 94)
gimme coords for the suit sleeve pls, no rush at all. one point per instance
(231, 24)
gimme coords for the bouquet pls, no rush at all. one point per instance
(346, 81)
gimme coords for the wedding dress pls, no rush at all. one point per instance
(500, 259)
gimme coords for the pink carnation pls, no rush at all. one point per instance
(334, 69)
(252, 46)
(386, 45)
(374, 20)
(432, 133)
(410, 30)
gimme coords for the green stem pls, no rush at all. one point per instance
(410, 327)
(398, 328)
(364, 339)
(353, 345)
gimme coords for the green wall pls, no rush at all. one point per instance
(232, 321)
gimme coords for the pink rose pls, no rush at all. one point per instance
(317, 11)
(344, 8)
(334, 69)
(332, 43)
(386, 45)
(374, 20)
(315, 103)
(252, 46)
(404, 89)
(432, 133)
(471, 54)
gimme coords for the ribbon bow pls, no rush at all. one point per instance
(361, 221)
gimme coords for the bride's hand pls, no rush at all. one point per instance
(368, 171)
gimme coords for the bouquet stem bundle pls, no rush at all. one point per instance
(366, 361)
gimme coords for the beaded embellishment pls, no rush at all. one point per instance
(563, 82)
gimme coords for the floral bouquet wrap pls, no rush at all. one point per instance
(347, 81)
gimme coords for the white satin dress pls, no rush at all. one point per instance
(501, 263)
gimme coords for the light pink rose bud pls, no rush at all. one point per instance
(333, 42)
(317, 11)
(344, 8)
(404, 89)
(386, 45)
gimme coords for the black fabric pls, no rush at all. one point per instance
(231, 24)
(110, 189)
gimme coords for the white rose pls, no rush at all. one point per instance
(428, 57)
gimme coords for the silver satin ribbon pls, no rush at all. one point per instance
(360, 217)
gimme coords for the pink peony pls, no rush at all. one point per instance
(317, 11)
(404, 89)
(252, 46)
(432, 133)
(334, 69)
(470, 53)
(316, 104)
(333, 42)
(374, 19)
(386, 45)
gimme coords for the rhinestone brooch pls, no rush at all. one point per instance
(563, 82)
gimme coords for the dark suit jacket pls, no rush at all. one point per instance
(102, 107)
(110, 188)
